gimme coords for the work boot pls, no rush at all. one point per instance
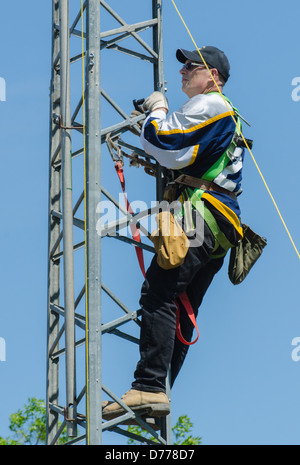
(155, 404)
(154, 423)
(151, 421)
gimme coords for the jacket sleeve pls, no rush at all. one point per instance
(176, 140)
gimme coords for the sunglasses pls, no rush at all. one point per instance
(189, 66)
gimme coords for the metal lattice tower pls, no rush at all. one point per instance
(86, 114)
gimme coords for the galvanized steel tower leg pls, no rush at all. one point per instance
(66, 154)
(159, 84)
(53, 235)
(93, 241)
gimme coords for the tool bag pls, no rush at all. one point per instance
(170, 241)
(245, 254)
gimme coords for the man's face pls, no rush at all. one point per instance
(195, 80)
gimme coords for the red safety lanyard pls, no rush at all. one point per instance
(189, 309)
(134, 231)
(139, 252)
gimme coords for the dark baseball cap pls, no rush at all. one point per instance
(213, 57)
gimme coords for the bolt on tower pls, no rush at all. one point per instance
(104, 55)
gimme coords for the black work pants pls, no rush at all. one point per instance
(159, 346)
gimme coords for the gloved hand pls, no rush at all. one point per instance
(133, 114)
(154, 101)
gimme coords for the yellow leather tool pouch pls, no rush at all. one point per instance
(170, 241)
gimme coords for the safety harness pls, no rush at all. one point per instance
(220, 238)
(194, 195)
(191, 195)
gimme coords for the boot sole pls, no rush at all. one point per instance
(152, 410)
(151, 421)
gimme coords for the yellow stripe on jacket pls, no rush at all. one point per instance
(226, 211)
(193, 128)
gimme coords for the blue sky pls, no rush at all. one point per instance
(239, 384)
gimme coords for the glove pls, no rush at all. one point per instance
(154, 101)
(133, 114)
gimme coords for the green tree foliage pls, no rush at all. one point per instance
(181, 433)
(28, 426)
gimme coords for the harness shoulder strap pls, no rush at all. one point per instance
(227, 155)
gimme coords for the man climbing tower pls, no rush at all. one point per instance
(199, 143)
